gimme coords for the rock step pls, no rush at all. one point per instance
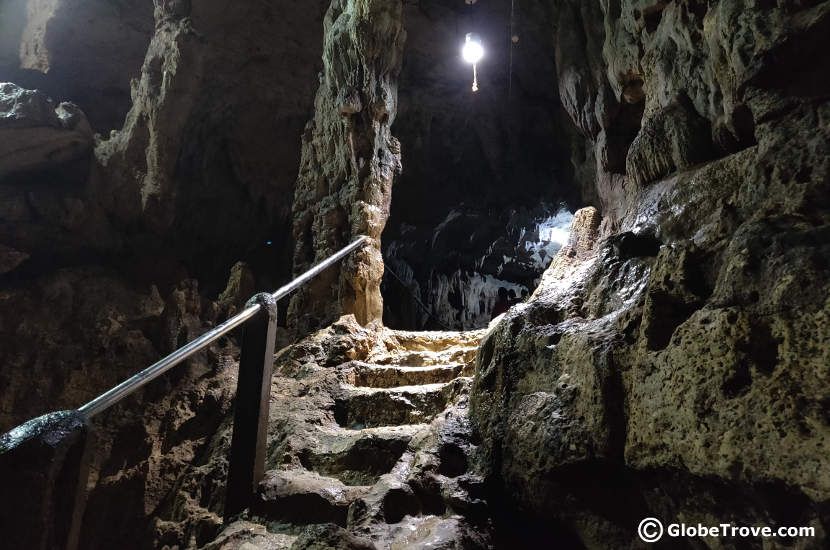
(434, 340)
(390, 376)
(301, 497)
(248, 535)
(459, 354)
(361, 407)
(358, 457)
(418, 533)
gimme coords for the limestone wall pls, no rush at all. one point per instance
(674, 364)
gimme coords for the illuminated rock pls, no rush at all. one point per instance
(349, 162)
(36, 134)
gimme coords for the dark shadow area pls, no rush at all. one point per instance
(479, 169)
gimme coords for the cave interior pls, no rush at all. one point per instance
(593, 289)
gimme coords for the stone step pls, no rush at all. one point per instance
(358, 457)
(390, 376)
(247, 535)
(361, 407)
(433, 340)
(461, 354)
(418, 533)
(302, 497)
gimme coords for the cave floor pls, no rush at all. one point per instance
(369, 443)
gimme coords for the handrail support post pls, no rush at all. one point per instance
(253, 391)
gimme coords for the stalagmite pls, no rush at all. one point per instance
(349, 160)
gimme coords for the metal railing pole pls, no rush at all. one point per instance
(320, 267)
(122, 390)
(131, 385)
(253, 392)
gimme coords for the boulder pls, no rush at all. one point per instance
(36, 134)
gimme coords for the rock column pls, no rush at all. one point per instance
(349, 160)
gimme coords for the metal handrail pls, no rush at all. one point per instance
(122, 390)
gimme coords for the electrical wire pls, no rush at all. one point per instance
(512, 46)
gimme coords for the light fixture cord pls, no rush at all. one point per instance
(475, 78)
(512, 46)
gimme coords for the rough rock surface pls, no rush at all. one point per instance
(50, 214)
(673, 361)
(368, 448)
(202, 171)
(85, 51)
(349, 161)
(202, 158)
(148, 442)
(36, 135)
(98, 283)
(449, 276)
(98, 330)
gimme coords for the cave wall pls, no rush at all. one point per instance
(208, 153)
(673, 354)
(672, 362)
(349, 161)
(202, 171)
(199, 177)
(85, 51)
(114, 248)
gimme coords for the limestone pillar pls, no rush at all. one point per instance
(349, 160)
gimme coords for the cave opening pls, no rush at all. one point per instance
(488, 188)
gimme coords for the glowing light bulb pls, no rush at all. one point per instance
(473, 51)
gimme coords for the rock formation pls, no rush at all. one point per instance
(49, 214)
(83, 50)
(368, 448)
(204, 158)
(671, 363)
(36, 134)
(449, 276)
(349, 161)
(98, 284)
(673, 360)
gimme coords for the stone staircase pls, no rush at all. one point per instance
(369, 446)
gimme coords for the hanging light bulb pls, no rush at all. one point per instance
(472, 52)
